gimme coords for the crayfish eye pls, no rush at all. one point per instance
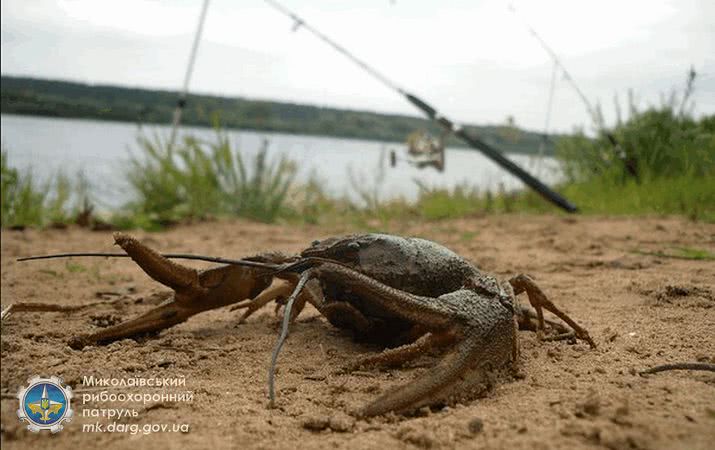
(507, 301)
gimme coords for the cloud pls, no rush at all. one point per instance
(474, 60)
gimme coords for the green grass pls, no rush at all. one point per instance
(692, 197)
(196, 180)
(435, 204)
(689, 253)
(50, 272)
(22, 198)
(665, 162)
(664, 140)
(74, 267)
(27, 202)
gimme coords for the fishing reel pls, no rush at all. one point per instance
(423, 150)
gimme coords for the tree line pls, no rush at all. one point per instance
(54, 98)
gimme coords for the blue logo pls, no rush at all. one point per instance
(45, 404)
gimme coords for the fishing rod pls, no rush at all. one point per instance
(547, 121)
(181, 103)
(628, 164)
(472, 140)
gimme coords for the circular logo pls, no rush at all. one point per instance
(45, 404)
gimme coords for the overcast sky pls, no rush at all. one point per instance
(474, 60)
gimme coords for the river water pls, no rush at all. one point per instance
(101, 150)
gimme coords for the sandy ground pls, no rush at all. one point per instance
(643, 310)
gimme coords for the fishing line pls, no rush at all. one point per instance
(299, 22)
(547, 121)
(557, 61)
(550, 101)
(181, 103)
(596, 117)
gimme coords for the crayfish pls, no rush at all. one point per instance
(411, 295)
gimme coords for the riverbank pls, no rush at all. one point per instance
(101, 151)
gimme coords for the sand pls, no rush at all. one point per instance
(642, 310)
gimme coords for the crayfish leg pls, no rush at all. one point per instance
(395, 357)
(481, 350)
(537, 298)
(157, 319)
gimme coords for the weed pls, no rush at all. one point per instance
(198, 180)
(26, 202)
(74, 267)
(467, 236)
(657, 142)
(50, 272)
(688, 253)
(22, 198)
(439, 203)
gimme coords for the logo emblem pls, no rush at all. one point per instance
(45, 404)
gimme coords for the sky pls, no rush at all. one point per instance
(475, 61)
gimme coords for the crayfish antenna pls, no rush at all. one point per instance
(305, 276)
(71, 255)
(215, 259)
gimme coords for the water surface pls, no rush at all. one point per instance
(101, 151)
